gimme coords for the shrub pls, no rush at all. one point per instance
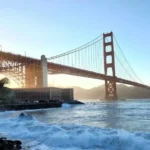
(3, 82)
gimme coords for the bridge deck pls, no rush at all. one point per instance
(62, 69)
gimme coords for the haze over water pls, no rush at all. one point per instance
(119, 125)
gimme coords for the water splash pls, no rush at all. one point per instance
(74, 137)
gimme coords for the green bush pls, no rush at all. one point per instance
(3, 82)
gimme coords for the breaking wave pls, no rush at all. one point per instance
(44, 136)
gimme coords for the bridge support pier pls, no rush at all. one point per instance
(42, 76)
(29, 76)
(109, 67)
(36, 74)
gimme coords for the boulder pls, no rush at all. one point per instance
(9, 144)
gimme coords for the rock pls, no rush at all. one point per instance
(25, 116)
(73, 102)
(9, 144)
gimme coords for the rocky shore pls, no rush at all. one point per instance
(6, 144)
(6, 107)
(73, 102)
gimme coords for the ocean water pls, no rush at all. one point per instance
(119, 125)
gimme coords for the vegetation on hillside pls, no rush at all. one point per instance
(4, 81)
(6, 94)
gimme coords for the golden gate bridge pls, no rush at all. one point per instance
(101, 58)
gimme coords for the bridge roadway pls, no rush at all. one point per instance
(62, 69)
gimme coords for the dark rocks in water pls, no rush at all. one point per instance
(73, 102)
(26, 116)
(9, 144)
(24, 106)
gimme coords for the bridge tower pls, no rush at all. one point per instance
(109, 67)
(36, 73)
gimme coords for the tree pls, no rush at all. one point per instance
(3, 82)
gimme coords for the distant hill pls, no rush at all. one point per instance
(128, 92)
(123, 91)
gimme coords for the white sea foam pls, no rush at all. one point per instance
(87, 126)
(41, 136)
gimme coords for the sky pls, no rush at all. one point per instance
(51, 27)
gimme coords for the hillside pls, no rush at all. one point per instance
(123, 91)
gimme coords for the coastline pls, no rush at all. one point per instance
(10, 144)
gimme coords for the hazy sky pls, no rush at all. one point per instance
(50, 27)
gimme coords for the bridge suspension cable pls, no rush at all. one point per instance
(90, 57)
(124, 67)
(78, 48)
(87, 57)
(125, 59)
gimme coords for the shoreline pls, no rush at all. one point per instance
(6, 107)
(41, 105)
(10, 144)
